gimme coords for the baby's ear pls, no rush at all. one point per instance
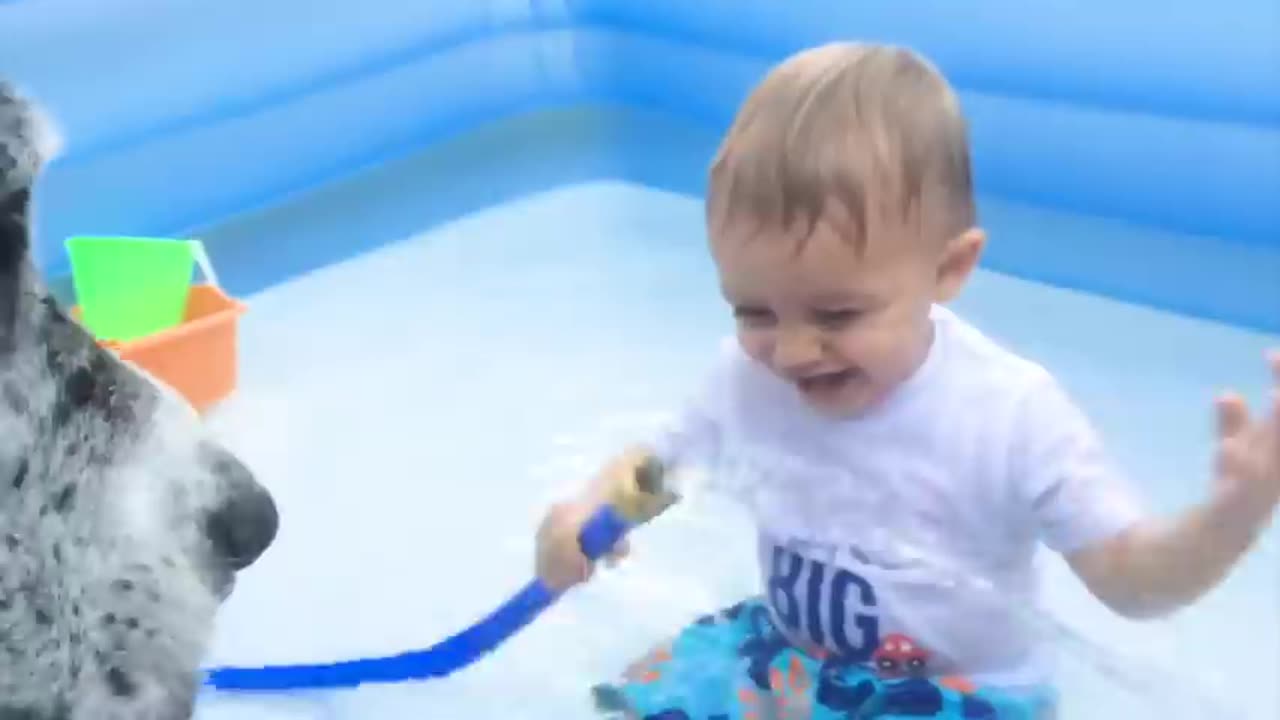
(956, 263)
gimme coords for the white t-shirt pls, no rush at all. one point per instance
(920, 518)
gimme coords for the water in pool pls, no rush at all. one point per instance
(415, 408)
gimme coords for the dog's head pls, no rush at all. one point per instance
(122, 523)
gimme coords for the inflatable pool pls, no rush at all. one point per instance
(1160, 114)
(1131, 154)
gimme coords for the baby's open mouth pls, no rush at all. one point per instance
(826, 382)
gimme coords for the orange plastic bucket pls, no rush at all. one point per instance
(199, 357)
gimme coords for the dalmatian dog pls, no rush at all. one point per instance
(122, 522)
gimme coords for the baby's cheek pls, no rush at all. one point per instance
(757, 344)
(861, 347)
(897, 351)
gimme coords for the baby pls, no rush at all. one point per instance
(902, 466)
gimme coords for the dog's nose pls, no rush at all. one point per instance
(244, 525)
(243, 528)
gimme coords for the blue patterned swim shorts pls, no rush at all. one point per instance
(736, 665)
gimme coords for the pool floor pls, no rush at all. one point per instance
(415, 408)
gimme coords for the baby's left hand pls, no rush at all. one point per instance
(1247, 486)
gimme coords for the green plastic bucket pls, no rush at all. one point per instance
(132, 287)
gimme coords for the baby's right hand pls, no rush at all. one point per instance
(561, 563)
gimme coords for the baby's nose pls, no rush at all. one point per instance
(245, 524)
(796, 352)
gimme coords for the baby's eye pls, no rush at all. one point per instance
(753, 316)
(835, 319)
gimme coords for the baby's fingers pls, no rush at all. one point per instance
(1273, 422)
(619, 553)
(1273, 427)
(1233, 415)
(1234, 460)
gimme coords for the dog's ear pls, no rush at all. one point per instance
(15, 227)
(27, 141)
(15, 231)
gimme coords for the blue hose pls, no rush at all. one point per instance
(600, 534)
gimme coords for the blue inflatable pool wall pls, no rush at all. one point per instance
(1161, 115)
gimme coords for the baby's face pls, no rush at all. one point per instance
(843, 327)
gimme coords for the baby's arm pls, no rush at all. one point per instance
(1137, 565)
(1161, 565)
(1158, 566)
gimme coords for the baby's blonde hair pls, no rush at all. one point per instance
(849, 123)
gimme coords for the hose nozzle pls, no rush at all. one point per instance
(645, 494)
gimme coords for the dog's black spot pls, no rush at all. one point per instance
(43, 618)
(13, 712)
(52, 354)
(61, 413)
(122, 686)
(101, 387)
(66, 499)
(131, 623)
(19, 478)
(99, 456)
(13, 542)
(93, 386)
(14, 399)
(53, 312)
(9, 295)
(57, 553)
(79, 386)
(123, 585)
(109, 619)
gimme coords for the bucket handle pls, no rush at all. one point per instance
(204, 263)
